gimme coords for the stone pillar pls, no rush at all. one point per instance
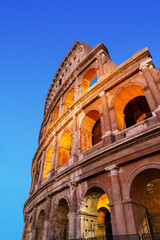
(41, 168)
(73, 211)
(113, 119)
(74, 136)
(47, 219)
(34, 179)
(108, 136)
(54, 153)
(117, 200)
(107, 122)
(76, 88)
(25, 226)
(149, 98)
(151, 83)
(33, 226)
(100, 66)
(61, 107)
(74, 142)
(105, 63)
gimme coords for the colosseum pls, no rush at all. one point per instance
(96, 171)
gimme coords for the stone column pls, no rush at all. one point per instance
(108, 136)
(73, 211)
(47, 219)
(151, 83)
(149, 98)
(107, 122)
(117, 200)
(34, 179)
(41, 168)
(33, 226)
(100, 65)
(61, 107)
(74, 142)
(113, 119)
(25, 226)
(54, 153)
(105, 63)
(76, 88)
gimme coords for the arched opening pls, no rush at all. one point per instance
(40, 225)
(60, 221)
(95, 215)
(136, 111)
(145, 191)
(69, 99)
(131, 107)
(28, 230)
(56, 114)
(91, 132)
(64, 149)
(47, 163)
(89, 79)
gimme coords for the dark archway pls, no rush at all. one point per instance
(91, 132)
(136, 111)
(104, 223)
(97, 133)
(40, 225)
(60, 221)
(145, 191)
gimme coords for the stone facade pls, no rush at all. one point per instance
(96, 171)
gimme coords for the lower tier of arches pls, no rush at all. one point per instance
(124, 200)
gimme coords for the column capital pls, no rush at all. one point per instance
(146, 64)
(101, 94)
(113, 169)
(143, 66)
(72, 184)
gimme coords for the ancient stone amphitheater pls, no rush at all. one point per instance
(96, 171)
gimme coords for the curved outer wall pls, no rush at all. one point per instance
(69, 165)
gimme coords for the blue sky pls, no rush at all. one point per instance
(35, 35)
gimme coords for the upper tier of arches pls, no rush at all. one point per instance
(88, 117)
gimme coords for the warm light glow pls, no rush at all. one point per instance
(121, 100)
(87, 79)
(103, 202)
(56, 114)
(87, 125)
(69, 99)
(64, 148)
(47, 128)
(48, 162)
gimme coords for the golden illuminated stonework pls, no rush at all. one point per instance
(96, 171)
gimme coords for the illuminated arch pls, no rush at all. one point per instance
(88, 78)
(55, 114)
(48, 162)
(130, 106)
(64, 148)
(69, 99)
(91, 132)
(95, 214)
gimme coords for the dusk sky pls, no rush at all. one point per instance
(35, 35)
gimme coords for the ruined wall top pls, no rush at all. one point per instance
(75, 55)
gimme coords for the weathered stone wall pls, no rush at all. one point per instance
(71, 174)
